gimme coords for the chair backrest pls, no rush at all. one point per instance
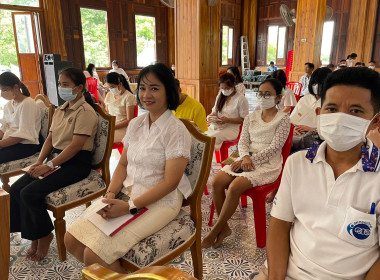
(92, 86)
(103, 142)
(47, 111)
(287, 146)
(296, 88)
(198, 168)
(136, 111)
(289, 64)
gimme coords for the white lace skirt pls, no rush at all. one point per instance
(110, 249)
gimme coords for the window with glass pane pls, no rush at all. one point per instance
(327, 38)
(227, 43)
(29, 3)
(95, 37)
(24, 34)
(8, 53)
(145, 40)
(276, 44)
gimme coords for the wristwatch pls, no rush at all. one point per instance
(50, 164)
(132, 207)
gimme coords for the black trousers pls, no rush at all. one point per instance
(17, 151)
(28, 207)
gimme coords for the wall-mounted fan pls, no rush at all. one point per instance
(168, 3)
(289, 16)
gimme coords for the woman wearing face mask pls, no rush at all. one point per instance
(262, 138)
(91, 72)
(288, 100)
(303, 116)
(68, 145)
(120, 102)
(20, 127)
(240, 87)
(150, 174)
(117, 69)
(228, 112)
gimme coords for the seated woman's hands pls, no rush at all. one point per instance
(246, 164)
(38, 169)
(222, 120)
(301, 129)
(116, 208)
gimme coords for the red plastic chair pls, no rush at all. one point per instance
(119, 145)
(223, 153)
(92, 86)
(296, 88)
(289, 64)
(258, 195)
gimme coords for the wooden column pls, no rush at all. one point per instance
(249, 28)
(308, 36)
(171, 38)
(197, 54)
(4, 234)
(361, 29)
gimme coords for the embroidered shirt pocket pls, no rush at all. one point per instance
(359, 228)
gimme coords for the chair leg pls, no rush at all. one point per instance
(196, 255)
(206, 191)
(243, 200)
(212, 211)
(60, 230)
(259, 213)
(5, 180)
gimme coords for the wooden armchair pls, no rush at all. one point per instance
(184, 231)
(94, 186)
(14, 168)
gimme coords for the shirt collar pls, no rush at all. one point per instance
(320, 156)
(77, 104)
(160, 122)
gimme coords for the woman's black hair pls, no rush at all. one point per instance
(90, 69)
(318, 77)
(164, 74)
(276, 84)
(236, 73)
(8, 79)
(281, 76)
(229, 80)
(115, 61)
(78, 78)
(115, 78)
(355, 76)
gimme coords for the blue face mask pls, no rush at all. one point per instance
(66, 94)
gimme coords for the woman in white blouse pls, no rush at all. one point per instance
(262, 138)
(288, 100)
(150, 174)
(117, 69)
(240, 87)
(120, 102)
(21, 125)
(228, 112)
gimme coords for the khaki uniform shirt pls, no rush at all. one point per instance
(80, 119)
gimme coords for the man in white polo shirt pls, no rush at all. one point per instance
(325, 218)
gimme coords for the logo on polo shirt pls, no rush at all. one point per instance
(360, 230)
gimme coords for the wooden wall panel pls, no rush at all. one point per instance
(376, 41)
(4, 234)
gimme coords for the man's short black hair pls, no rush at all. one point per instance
(271, 62)
(355, 76)
(342, 60)
(311, 65)
(372, 61)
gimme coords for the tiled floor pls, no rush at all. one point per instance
(238, 258)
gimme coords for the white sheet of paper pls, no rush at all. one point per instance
(95, 207)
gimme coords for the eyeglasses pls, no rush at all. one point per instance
(263, 95)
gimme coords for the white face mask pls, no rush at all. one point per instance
(371, 67)
(173, 68)
(342, 131)
(115, 90)
(227, 92)
(266, 103)
(315, 88)
(114, 67)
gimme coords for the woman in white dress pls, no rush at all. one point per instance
(288, 100)
(228, 112)
(262, 138)
(150, 174)
(120, 102)
(117, 69)
(21, 124)
(240, 87)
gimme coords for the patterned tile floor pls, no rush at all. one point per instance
(238, 258)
